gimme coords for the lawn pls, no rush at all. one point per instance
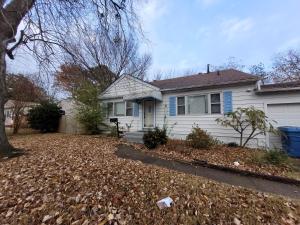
(68, 179)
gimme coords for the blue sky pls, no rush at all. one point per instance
(188, 34)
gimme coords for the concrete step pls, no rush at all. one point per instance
(134, 137)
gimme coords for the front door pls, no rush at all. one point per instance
(148, 113)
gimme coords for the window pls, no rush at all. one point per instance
(129, 108)
(181, 105)
(119, 108)
(197, 104)
(215, 102)
(110, 109)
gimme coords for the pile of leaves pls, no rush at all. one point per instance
(248, 159)
(66, 179)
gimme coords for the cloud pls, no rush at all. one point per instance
(235, 27)
(208, 3)
(289, 44)
(150, 11)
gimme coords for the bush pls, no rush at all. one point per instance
(90, 113)
(153, 138)
(275, 157)
(199, 138)
(44, 117)
(232, 145)
(113, 131)
(91, 118)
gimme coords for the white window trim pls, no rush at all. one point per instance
(185, 106)
(208, 96)
(113, 109)
(132, 108)
(221, 100)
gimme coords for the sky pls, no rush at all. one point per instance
(186, 35)
(189, 34)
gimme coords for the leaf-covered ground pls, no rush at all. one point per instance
(67, 179)
(226, 156)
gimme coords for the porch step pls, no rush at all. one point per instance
(134, 137)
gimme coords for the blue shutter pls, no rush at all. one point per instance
(227, 97)
(172, 106)
(135, 109)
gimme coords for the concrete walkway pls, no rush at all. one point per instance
(257, 184)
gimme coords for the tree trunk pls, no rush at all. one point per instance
(5, 147)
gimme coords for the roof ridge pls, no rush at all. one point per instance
(202, 74)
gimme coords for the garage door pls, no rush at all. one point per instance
(284, 115)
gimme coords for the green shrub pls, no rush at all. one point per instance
(44, 117)
(232, 145)
(91, 118)
(275, 157)
(113, 131)
(154, 138)
(199, 138)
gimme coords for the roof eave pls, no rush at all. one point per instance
(278, 90)
(229, 84)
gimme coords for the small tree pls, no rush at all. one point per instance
(45, 117)
(247, 119)
(23, 92)
(90, 113)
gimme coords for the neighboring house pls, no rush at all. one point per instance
(9, 108)
(68, 123)
(200, 99)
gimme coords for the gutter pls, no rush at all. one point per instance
(209, 86)
(278, 90)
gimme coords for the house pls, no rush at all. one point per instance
(9, 110)
(68, 123)
(183, 102)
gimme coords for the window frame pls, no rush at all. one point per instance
(184, 97)
(215, 103)
(208, 104)
(115, 108)
(126, 107)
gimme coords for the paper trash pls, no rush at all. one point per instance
(164, 203)
(236, 163)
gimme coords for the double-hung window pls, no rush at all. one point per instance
(129, 108)
(119, 109)
(181, 105)
(197, 105)
(110, 109)
(215, 103)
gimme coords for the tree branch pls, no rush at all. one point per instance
(9, 52)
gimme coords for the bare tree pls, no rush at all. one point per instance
(231, 63)
(286, 66)
(260, 70)
(91, 50)
(46, 23)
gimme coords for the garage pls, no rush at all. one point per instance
(287, 114)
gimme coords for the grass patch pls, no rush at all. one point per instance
(273, 157)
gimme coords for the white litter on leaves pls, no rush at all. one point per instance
(236, 163)
(165, 203)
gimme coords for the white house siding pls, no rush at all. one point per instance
(180, 126)
(241, 97)
(127, 85)
(68, 123)
(136, 122)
